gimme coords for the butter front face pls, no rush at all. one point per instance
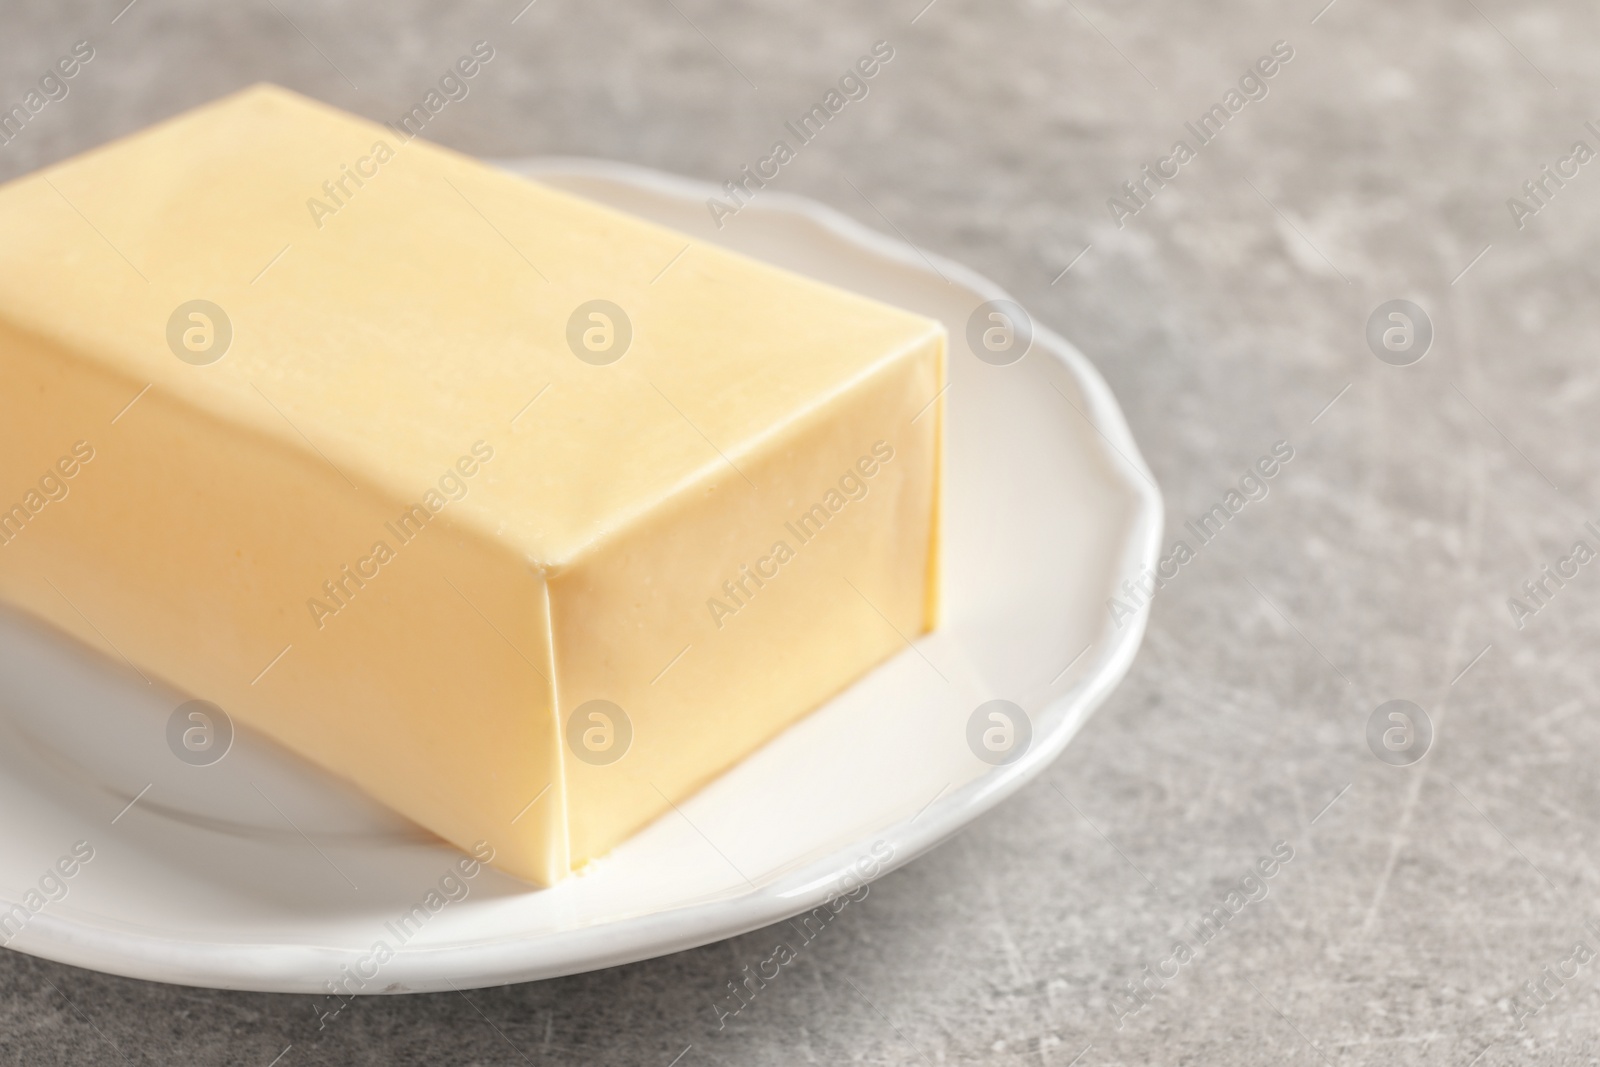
(404, 525)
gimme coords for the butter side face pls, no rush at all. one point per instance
(362, 480)
(776, 597)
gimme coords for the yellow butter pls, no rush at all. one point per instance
(328, 428)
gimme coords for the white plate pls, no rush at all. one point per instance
(260, 873)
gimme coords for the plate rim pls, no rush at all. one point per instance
(284, 967)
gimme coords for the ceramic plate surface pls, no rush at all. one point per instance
(258, 872)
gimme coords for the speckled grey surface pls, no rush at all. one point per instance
(1226, 314)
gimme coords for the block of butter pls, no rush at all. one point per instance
(527, 517)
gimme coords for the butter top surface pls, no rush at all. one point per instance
(421, 310)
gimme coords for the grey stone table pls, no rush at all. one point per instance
(1432, 913)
